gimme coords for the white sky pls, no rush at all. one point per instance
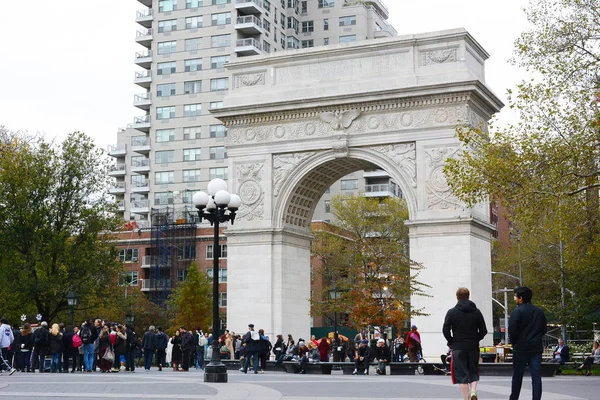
(68, 65)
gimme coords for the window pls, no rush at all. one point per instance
(209, 252)
(168, 25)
(218, 153)
(266, 25)
(181, 275)
(192, 87)
(219, 84)
(304, 7)
(283, 19)
(327, 204)
(166, 68)
(293, 43)
(138, 181)
(221, 18)
(187, 197)
(163, 198)
(191, 175)
(283, 40)
(328, 190)
(167, 47)
(165, 112)
(308, 43)
(222, 274)
(217, 2)
(350, 184)
(138, 161)
(191, 133)
(193, 22)
(193, 3)
(165, 135)
(195, 64)
(162, 178)
(192, 110)
(308, 26)
(216, 104)
(186, 253)
(129, 278)
(267, 5)
(218, 131)
(164, 157)
(165, 89)
(218, 62)
(326, 3)
(326, 24)
(347, 21)
(292, 23)
(192, 44)
(220, 41)
(220, 172)
(191, 154)
(222, 299)
(348, 39)
(129, 255)
(167, 5)
(325, 41)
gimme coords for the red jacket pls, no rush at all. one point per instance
(410, 342)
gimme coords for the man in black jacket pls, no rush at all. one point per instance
(463, 328)
(383, 356)
(187, 342)
(526, 327)
(149, 347)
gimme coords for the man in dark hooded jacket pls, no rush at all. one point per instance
(463, 328)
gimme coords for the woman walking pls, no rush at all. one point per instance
(55, 348)
(176, 350)
(103, 346)
(26, 347)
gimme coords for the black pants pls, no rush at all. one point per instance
(263, 361)
(161, 356)
(38, 357)
(185, 359)
(70, 358)
(365, 362)
(4, 360)
(588, 363)
(130, 360)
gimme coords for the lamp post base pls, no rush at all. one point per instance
(215, 373)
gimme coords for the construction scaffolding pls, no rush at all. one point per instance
(173, 249)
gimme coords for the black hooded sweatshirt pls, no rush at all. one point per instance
(464, 326)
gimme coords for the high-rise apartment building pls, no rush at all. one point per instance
(174, 147)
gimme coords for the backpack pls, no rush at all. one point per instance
(254, 335)
(39, 337)
(77, 342)
(202, 341)
(86, 335)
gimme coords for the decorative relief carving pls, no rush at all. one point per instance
(439, 195)
(439, 56)
(250, 80)
(404, 155)
(340, 120)
(283, 165)
(250, 191)
(340, 146)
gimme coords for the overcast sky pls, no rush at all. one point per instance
(68, 65)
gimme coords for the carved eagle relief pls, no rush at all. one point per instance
(340, 120)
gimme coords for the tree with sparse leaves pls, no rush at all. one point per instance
(191, 300)
(545, 168)
(364, 263)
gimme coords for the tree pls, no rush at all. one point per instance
(545, 169)
(192, 300)
(55, 225)
(364, 263)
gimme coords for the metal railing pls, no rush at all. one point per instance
(148, 12)
(119, 185)
(140, 163)
(142, 54)
(140, 141)
(248, 42)
(141, 97)
(120, 204)
(144, 32)
(140, 204)
(149, 260)
(139, 184)
(384, 187)
(257, 2)
(156, 284)
(249, 19)
(145, 119)
(116, 147)
(143, 75)
(117, 168)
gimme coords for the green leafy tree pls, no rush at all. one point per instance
(545, 168)
(365, 266)
(192, 300)
(55, 225)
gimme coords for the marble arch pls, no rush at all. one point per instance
(297, 121)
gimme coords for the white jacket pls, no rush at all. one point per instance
(6, 336)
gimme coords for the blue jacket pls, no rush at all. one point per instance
(526, 326)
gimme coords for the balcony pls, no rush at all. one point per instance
(143, 79)
(144, 37)
(147, 3)
(117, 150)
(249, 25)
(121, 205)
(140, 186)
(145, 17)
(143, 59)
(141, 123)
(142, 100)
(378, 173)
(140, 166)
(117, 188)
(381, 190)
(117, 170)
(380, 8)
(249, 6)
(151, 285)
(140, 144)
(140, 206)
(248, 47)
(149, 261)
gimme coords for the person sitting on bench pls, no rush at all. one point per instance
(362, 356)
(593, 359)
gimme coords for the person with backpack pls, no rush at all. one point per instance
(6, 339)
(162, 341)
(41, 341)
(252, 340)
(413, 343)
(200, 345)
(131, 348)
(71, 343)
(87, 341)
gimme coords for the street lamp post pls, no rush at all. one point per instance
(218, 206)
(72, 303)
(129, 319)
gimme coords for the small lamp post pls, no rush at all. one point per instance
(72, 303)
(129, 319)
(218, 206)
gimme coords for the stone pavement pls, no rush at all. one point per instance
(274, 386)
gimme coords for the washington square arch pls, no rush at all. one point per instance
(298, 121)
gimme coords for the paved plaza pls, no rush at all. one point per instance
(274, 386)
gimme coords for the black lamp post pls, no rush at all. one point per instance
(129, 319)
(334, 295)
(72, 303)
(216, 207)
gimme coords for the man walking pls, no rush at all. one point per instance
(87, 341)
(187, 342)
(148, 347)
(6, 339)
(162, 340)
(526, 327)
(463, 328)
(252, 340)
